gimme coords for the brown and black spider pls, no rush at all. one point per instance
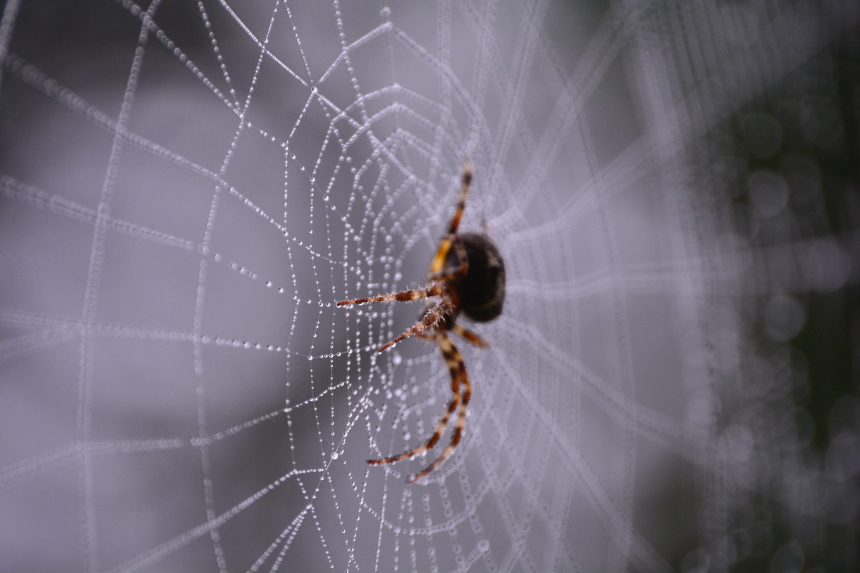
(468, 276)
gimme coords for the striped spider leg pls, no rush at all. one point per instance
(459, 401)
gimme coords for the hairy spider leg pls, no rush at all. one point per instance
(404, 296)
(461, 269)
(466, 334)
(454, 369)
(455, 364)
(469, 336)
(442, 254)
(432, 317)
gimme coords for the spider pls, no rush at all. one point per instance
(467, 275)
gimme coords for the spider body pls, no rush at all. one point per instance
(482, 290)
(467, 275)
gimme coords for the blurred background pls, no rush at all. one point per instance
(186, 188)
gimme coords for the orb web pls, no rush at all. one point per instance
(188, 188)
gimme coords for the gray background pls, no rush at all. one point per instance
(184, 194)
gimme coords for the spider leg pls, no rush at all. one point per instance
(469, 336)
(434, 315)
(441, 255)
(440, 427)
(407, 295)
(461, 269)
(455, 364)
(461, 203)
(445, 245)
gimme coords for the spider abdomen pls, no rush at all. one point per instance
(482, 289)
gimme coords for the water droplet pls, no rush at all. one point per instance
(768, 192)
(784, 317)
(385, 12)
(334, 455)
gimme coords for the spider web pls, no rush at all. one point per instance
(189, 187)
